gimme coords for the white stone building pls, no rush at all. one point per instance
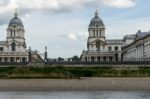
(14, 48)
(138, 49)
(98, 47)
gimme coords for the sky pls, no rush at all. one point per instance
(62, 25)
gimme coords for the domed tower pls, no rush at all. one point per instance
(15, 34)
(97, 27)
(96, 39)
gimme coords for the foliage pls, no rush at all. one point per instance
(72, 72)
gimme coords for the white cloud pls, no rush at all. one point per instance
(7, 5)
(72, 36)
(50, 6)
(120, 3)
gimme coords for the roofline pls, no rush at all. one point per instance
(136, 41)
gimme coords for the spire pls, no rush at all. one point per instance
(96, 13)
(16, 12)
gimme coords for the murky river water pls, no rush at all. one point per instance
(77, 95)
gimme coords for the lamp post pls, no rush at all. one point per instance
(45, 58)
(30, 55)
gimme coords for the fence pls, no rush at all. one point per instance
(78, 63)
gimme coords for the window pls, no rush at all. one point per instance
(13, 47)
(109, 48)
(94, 33)
(92, 59)
(116, 48)
(1, 49)
(5, 59)
(85, 59)
(98, 59)
(110, 59)
(14, 26)
(98, 46)
(0, 59)
(11, 33)
(14, 33)
(104, 59)
(23, 59)
(11, 59)
(100, 32)
(97, 33)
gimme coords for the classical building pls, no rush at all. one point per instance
(98, 47)
(14, 48)
(139, 48)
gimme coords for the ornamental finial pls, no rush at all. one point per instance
(96, 13)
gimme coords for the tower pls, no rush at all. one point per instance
(96, 30)
(15, 34)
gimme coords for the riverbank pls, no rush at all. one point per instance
(83, 84)
(71, 72)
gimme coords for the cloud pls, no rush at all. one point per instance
(120, 3)
(51, 6)
(6, 5)
(72, 36)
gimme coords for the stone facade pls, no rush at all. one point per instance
(139, 49)
(98, 47)
(14, 48)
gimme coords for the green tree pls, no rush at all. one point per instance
(75, 58)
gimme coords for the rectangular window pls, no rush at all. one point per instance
(116, 48)
(11, 33)
(97, 33)
(0, 59)
(6, 59)
(100, 33)
(98, 46)
(14, 33)
(1, 49)
(93, 33)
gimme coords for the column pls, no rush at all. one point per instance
(100, 58)
(95, 59)
(89, 59)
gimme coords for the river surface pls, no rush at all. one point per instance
(77, 95)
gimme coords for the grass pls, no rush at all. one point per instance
(71, 72)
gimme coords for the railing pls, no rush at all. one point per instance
(13, 63)
(75, 63)
(98, 52)
(101, 63)
(12, 53)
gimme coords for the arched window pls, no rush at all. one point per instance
(13, 47)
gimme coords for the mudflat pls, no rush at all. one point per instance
(83, 84)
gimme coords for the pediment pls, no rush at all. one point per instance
(10, 42)
(98, 40)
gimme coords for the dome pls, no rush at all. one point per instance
(96, 21)
(15, 21)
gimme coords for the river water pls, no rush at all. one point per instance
(77, 95)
